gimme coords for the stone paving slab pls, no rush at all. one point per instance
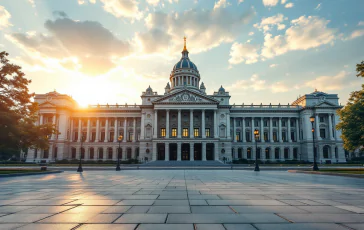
(178, 199)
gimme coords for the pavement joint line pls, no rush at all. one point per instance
(233, 209)
(194, 227)
(291, 221)
(116, 218)
(77, 226)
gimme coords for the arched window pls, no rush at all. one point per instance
(326, 151)
(276, 153)
(73, 153)
(249, 153)
(109, 153)
(267, 153)
(240, 153)
(286, 153)
(82, 153)
(101, 153)
(92, 154)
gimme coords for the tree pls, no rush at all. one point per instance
(352, 117)
(18, 114)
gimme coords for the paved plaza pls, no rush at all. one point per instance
(181, 199)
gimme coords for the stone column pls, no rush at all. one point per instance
(155, 128)
(179, 145)
(330, 128)
(71, 130)
(116, 131)
(297, 130)
(192, 155)
(134, 130)
(280, 130)
(179, 124)
(228, 125)
(204, 151)
(79, 130)
(125, 121)
(203, 124)
(142, 127)
(234, 129)
(243, 132)
(97, 130)
(167, 124)
(88, 130)
(289, 129)
(216, 151)
(106, 131)
(317, 127)
(191, 123)
(105, 152)
(166, 151)
(215, 124)
(262, 131)
(271, 129)
(53, 137)
(154, 153)
(252, 131)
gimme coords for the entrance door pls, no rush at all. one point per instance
(161, 152)
(198, 152)
(210, 152)
(185, 152)
(172, 152)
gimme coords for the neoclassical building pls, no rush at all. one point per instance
(186, 124)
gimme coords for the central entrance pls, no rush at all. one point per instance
(172, 152)
(185, 152)
(210, 151)
(198, 152)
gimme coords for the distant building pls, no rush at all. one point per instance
(186, 124)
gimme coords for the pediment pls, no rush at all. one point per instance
(186, 96)
(47, 104)
(325, 104)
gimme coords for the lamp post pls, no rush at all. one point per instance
(80, 163)
(256, 135)
(315, 167)
(120, 138)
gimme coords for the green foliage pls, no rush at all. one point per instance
(18, 114)
(360, 69)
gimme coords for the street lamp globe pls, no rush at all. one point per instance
(256, 135)
(120, 138)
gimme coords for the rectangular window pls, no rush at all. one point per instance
(293, 137)
(275, 139)
(93, 136)
(163, 132)
(322, 133)
(111, 139)
(247, 123)
(207, 132)
(196, 132)
(131, 136)
(322, 119)
(265, 136)
(102, 136)
(238, 123)
(174, 132)
(274, 123)
(256, 123)
(237, 136)
(293, 123)
(283, 123)
(185, 132)
(75, 137)
(265, 123)
(284, 136)
(84, 135)
(247, 136)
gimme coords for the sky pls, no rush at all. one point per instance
(260, 51)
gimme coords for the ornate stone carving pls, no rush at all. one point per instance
(185, 97)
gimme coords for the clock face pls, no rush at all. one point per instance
(185, 97)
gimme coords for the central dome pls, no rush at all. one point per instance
(185, 60)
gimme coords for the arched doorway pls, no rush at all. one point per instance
(173, 152)
(240, 153)
(210, 147)
(197, 152)
(295, 153)
(258, 153)
(128, 153)
(101, 153)
(276, 153)
(326, 152)
(73, 153)
(185, 152)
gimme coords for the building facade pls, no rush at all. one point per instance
(186, 124)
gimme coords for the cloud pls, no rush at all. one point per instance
(283, 1)
(204, 29)
(267, 24)
(289, 5)
(251, 33)
(153, 2)
(83, 45)
(273, 65)
(270, 2)
(4, 18)
(81, 2)
(247, 53)
(304, 33)
(355, 34)
(279, 87)
(256, 84)
(361, 23)
(221, 3)
(318, 7)
(32, 3)
(336, 82)
(123, 8)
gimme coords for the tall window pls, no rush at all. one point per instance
(284, 136)
(322, 133)
(131, 136)
(274, 123)
(102, 136)
(265, 123)
(275, 137)
(293, 137)
(174, 132)
(247, 123)
(207, 132)
(163, 132)
(265, 136)
(185, 132)
(196, 132)
(111, 137)
(93, 136)
(322, 119)
(247, 136)
(75, 137)
(237, 136)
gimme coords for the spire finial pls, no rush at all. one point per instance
(184, 48)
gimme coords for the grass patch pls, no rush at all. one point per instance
(346, 171)
(9, 171)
